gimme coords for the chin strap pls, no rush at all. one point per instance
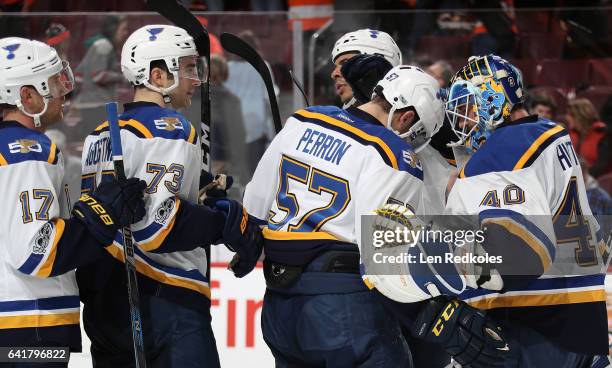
(349, 103)
(165, 92)
(36, 117)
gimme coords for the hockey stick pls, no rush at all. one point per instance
(235, 45)
(299, 86)
(128, 242)
(181, 17)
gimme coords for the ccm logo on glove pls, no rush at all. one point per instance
(444, 317)
(97, 208)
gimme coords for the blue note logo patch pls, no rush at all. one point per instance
(169, 124)
(25, 146)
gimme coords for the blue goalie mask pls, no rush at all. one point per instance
(467, 111)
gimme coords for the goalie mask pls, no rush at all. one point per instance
(32, 63)
(501, 88)
(410, 87)
(468, 115)
(171, 44)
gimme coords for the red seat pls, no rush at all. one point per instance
(563, 73)
(533, 21)
(444, 47)
(528, 69)
(540, 45)
(601, 72)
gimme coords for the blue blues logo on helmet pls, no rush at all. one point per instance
(11, 50)
(465, 109)
(154, 32)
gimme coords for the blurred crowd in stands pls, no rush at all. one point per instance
(563, 50)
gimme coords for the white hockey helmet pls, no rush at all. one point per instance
(409, 86)
(26, 62)
(368, 41)
(160, 42)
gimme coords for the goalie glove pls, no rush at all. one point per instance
(470, 336)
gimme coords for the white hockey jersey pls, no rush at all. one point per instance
(526, 185)
(323, 171)
(162, 148)
(34, 294)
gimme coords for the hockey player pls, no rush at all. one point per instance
(364, 42)
(524, 184)
(326, 168)
(40, 246)
(162, 148)
(362, 73)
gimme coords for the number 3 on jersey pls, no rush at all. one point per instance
(317, 181)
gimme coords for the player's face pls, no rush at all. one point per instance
(343, 90)
(189, 79)
(543, 111)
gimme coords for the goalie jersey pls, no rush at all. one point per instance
(39, 299)
(325, 169)
(525, 185)
(162, 148)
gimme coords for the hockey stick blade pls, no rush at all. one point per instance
(128, 242)
(237, 46)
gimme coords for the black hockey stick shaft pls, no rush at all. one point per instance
(237, 46)
(181, 17)
(299, 86)
(128, 242)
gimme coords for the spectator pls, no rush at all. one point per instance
(588, 134)
(543, 105)
(442, 71)
(58, 37)
(99, 74)
(228, 150)
(599, 200)
(244, 82)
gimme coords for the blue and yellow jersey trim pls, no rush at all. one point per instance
(20, 144)
(192, 279)
(296, 235)
(169, 127)
(44, 312)
(152, 237)
(541, 292)
(389, 146)
(513, 147)
(41, 265)
(519, 226)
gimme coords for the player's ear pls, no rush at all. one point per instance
(405, 121)
(30, 98)
(158, 77)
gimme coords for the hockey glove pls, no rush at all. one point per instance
(242, 235)
(213, 188)
(467, 333)
(363, 72)
(112, 205)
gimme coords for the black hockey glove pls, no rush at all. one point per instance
(213, 188)
(363, 72)
(467, 333)
(112, 205)
(241, 234)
